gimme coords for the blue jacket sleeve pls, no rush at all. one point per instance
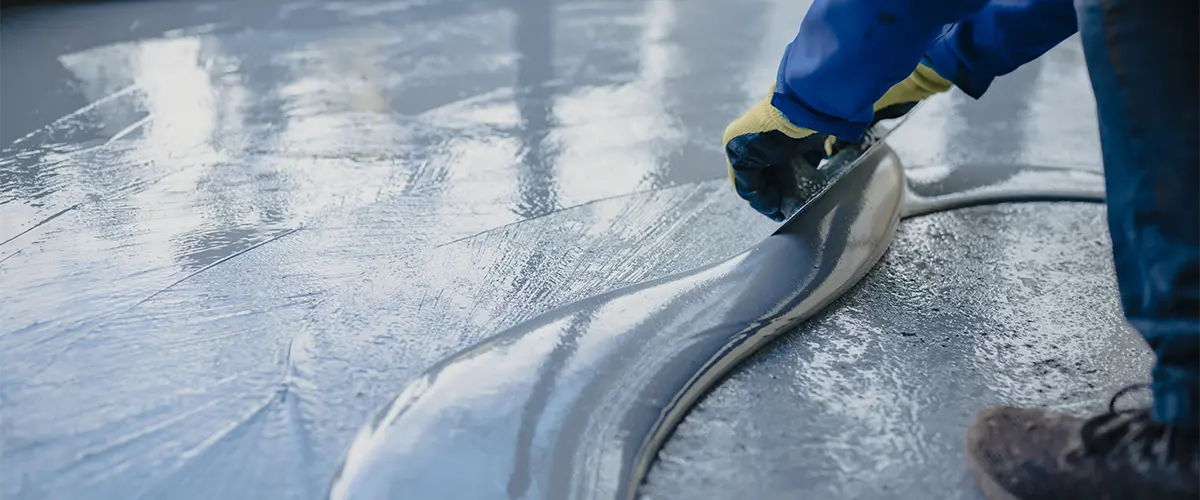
(848, 53)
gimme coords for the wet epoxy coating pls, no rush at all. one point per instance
(226, 246)
(576, 402)
(581, 398)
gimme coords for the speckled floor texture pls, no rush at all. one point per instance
(229, 232)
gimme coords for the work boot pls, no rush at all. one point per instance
(1032, 454)
(763, 149)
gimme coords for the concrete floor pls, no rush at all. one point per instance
(230, 232)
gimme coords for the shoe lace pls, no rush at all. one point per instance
(1112, 403)
(1101, 434)
(1105, 433)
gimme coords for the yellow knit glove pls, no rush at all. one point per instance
(922, 83)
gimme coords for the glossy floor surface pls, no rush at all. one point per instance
(231, 232)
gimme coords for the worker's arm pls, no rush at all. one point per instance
(848, 53)
(848, 59)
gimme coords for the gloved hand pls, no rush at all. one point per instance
(763, 148)
(760, 147)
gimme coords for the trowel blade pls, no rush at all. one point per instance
(810, 183)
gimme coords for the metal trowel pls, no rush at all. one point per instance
(804, 182)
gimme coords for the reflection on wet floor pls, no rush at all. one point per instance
(231, 231)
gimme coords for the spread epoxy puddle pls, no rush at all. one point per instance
(577, 402)
(383, 130)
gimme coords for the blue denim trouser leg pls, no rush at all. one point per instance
(1143, 60)
(998, 39)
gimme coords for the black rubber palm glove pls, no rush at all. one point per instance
(764, 150)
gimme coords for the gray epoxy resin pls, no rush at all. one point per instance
(575, 403)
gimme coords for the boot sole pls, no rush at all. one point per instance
(988, 486)
(984, 481)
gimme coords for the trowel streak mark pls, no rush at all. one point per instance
(40, 223)
(631, 195)
(532, 284)
(335, 216)
(285, 395)
(9, 256)
(214, 264)
(64, 123)
(384, 335)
